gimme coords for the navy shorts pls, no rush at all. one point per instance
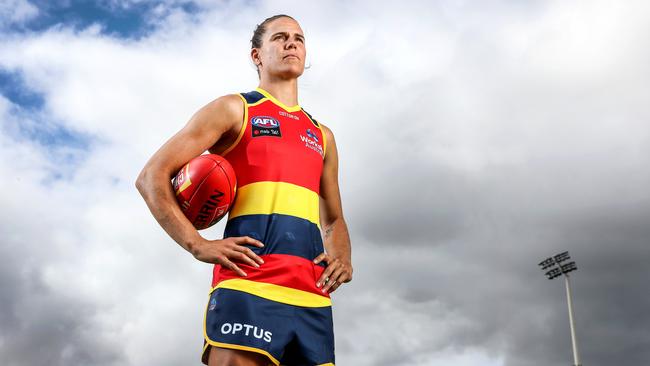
(287, 334)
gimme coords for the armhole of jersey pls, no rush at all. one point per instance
(241, 131)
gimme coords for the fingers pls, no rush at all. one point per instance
(320, 258)
(325, 276)
(225, 262)
(248, 256)
(246, 240)
(235, 250)
(334, 286)
(243, 240)
(335, 280)
(336, 273)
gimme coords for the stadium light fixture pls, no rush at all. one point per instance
(558, 269)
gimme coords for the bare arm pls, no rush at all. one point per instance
(335, 231)
(206, 127)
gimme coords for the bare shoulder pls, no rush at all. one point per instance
(331, 154)
(223, 113)
(205, 128)
(226, 103)
(329, 135)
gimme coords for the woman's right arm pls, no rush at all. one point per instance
(206, 127)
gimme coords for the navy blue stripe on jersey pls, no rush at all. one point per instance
(252, 97)
(281, 234)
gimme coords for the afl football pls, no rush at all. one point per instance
(205, 189)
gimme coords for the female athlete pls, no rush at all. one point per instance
(286, 245)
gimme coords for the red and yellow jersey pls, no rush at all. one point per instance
(278, 159)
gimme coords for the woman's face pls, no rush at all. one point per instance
(283, 50)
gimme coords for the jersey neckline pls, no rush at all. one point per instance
(268, 96)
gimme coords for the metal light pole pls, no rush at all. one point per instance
(557, 271)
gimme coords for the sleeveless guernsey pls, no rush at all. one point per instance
(278, 159)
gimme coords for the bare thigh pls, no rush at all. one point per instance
(233, 357)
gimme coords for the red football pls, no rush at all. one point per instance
(205, 189)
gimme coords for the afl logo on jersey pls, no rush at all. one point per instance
(266, 122)
(265, 126)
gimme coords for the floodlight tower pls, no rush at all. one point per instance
(557, 271)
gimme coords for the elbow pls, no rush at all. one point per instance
(141, 181)
(150, 180)
(331, 221)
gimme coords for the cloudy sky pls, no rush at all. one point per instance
(476, 139)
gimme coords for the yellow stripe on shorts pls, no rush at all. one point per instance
(285, 295)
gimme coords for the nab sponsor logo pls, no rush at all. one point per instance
(265, 126)
(247, 330)
(311, 142)
(213, 304)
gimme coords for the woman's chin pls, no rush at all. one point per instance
(289, 72)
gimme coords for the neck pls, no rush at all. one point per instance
(284, 90)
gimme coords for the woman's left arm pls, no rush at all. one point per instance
(336, 239)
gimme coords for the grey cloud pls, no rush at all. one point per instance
(558, 165)
(40, 325)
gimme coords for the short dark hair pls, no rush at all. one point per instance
(258, 33)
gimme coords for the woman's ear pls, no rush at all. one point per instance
(255, 55)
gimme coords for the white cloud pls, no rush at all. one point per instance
(16, 12)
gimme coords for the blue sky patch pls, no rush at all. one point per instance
(132, 21)
(34, 125)
(28, 120)
(65, 148)
(13, 87)
(52, 134)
